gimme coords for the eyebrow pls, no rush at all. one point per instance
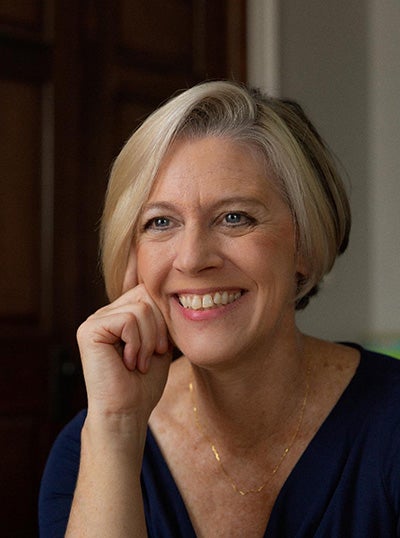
(232, 200)
(158, 206)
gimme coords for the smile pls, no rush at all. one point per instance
(214, 300)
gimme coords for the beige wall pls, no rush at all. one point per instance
(384, 163)
(341, 60)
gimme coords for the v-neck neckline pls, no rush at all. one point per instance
(307, 463)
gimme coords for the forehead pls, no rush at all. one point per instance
(209, 167)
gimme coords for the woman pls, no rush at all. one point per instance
(224, 211)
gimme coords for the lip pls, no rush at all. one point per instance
(205, 291)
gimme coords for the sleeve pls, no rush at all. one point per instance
(59, 480)
(391, 474)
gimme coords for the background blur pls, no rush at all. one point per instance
(76, 77)
(341, 60)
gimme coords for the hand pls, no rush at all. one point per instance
(125, 356)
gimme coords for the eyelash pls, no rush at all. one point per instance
(151, 223)
(245, 220)
(248, 220)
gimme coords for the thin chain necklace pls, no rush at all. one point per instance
(286, 451)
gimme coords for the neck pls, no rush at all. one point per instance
(255, 401)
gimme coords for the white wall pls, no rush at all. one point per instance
(340, 59)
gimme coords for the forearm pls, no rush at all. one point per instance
(108, 498)
(125, 357)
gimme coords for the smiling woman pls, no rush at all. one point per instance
(196, 251)
(223, 212)
(292, 150)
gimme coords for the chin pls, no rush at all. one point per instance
(209, 356)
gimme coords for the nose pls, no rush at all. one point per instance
(196, 251)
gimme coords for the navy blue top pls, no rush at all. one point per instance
(346, 483)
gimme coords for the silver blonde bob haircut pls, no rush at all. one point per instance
(294, 152)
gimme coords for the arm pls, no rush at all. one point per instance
(107, 500)
(125, 358)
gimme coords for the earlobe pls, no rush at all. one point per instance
(302, 268)
(302, 274)
(130, 278)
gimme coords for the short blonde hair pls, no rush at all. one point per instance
(294, 151)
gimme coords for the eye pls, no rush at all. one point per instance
(233, 218)
(158, 223)
(236, 218)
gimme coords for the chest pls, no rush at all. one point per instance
(219, 513)
(213, 506)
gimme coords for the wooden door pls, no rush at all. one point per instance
(76, 77)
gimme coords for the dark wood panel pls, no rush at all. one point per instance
(18, 492)
(76, 78)
(24, 59)
(128, 116)
(20, 224)
(236, 34)
(24, 383)
(158, 32)
(19, 14)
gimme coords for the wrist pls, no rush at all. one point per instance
(112, 436)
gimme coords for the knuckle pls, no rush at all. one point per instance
(83, 329)
(130, 320)
(145, 308)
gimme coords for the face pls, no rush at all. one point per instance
(215, 249)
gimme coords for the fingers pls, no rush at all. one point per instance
(134, 325)
(118, 344)
(140, 338)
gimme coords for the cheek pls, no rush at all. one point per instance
(143, 264)
(130, 277)
(151, 269)
(274, 258)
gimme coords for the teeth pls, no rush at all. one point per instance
(207, 301)
(197, 302)
(217, 298)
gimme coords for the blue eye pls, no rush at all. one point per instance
(237, 219)
(234, 218)
(158, 223)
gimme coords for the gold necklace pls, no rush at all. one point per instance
(214, 449)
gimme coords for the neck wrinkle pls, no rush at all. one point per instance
(242, 411)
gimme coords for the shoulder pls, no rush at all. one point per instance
(361, 390)
(66, 447)
(377, 387)
(381, 377)
(65, 452)
(59, 479)
(380, 374)
(371, 375)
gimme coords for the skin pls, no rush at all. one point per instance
(215, 221)
(229, 229)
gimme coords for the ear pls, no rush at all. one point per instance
(130, 278)
(302, 264)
